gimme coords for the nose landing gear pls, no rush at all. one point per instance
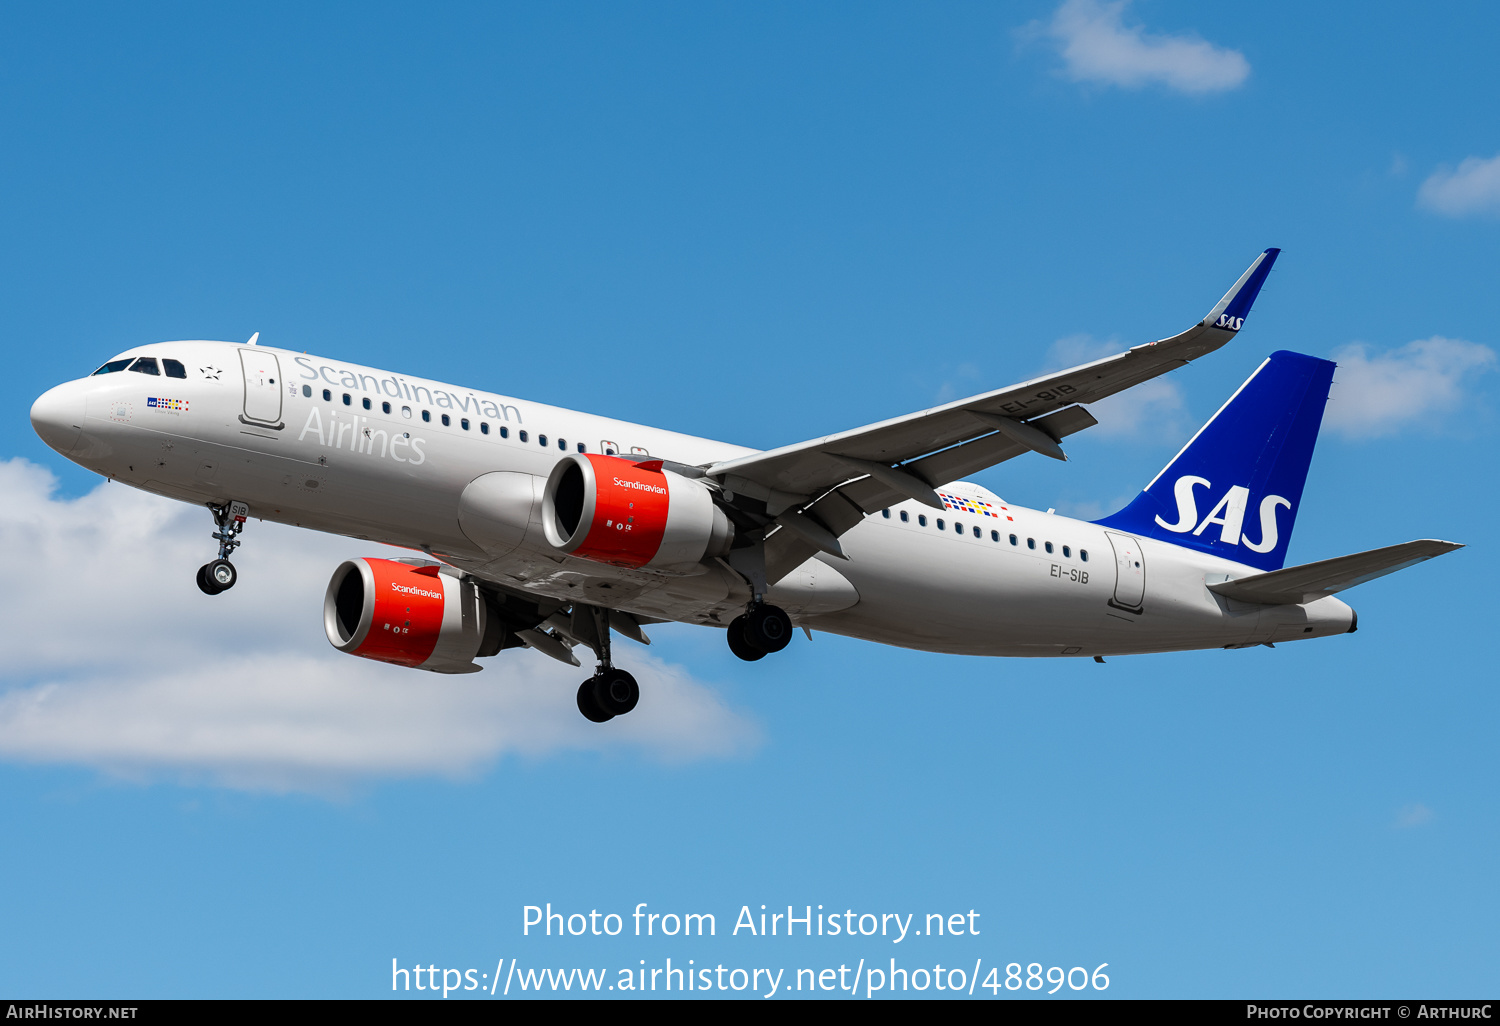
(220, 575)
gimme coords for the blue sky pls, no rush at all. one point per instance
(759, 223)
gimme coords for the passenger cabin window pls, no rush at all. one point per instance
(581, 447)
(484, 427)
(1083, 554)
(464, 423)
(327, 396)
(113, 366)
(145, 365)
(994, 536)
(521, 435)
(976, 532)
(385, 407)
(1047, 546)
(446, 421)
(174, 369)
(504, 431)
(941, 526)
(427, 416)
(886, 513)
(347, 400)
(307, 391)
(905, 517)
(1067, 553)
(406, 412)
(541, 440)
(365, 403)
(1013, 540)
(922, 519)
(1031, 543)
(562, 443)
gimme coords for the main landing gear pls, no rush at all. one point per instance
(761, 630)
(220, 575)
(610, 692)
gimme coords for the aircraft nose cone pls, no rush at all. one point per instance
(57, 417)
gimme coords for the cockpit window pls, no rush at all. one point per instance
(174, 369)
(145, 365)
(114, 365)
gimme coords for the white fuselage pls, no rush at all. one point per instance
(252, 424)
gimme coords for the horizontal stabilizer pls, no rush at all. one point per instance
(1312, 581)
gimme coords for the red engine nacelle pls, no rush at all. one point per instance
(409, 615)
(630, 514)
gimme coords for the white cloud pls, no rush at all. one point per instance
(1472, 188)
(1153, 409)
(1097, 46)
(294, 721)
(964, 380)
(1414, 815)
(1378, 394)
(1093, 509)
(116, 661)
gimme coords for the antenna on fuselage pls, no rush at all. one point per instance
(253, 339)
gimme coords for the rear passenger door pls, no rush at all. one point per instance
(1130, 572)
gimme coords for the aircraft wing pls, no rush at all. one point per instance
(1312, 581)
(820, 488)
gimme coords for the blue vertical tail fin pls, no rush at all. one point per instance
(1234, 489)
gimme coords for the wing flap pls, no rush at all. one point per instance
(1312, 581)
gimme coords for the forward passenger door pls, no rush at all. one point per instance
(262, 373)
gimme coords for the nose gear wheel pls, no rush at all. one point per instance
(217, 576)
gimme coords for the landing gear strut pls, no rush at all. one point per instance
(761, 630)
(610, 692)
(220, 575)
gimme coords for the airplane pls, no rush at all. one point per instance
(554, 529)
